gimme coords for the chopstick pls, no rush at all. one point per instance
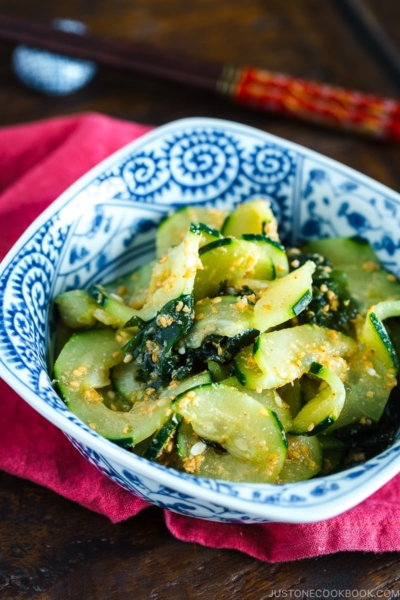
(372, 35)
(252, 87)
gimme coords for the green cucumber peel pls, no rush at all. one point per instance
(217, 244)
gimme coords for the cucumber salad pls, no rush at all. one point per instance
(230, 356)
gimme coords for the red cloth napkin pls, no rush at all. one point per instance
(37, 163)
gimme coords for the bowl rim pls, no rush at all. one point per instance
(165, 475)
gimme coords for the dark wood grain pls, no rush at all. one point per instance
(53, 549)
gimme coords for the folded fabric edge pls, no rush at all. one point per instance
(283, 542)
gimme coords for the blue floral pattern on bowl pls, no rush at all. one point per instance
(104, 226)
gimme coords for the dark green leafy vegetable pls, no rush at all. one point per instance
(331, 305)
(153, 345)
(222, 349)
(220, 449)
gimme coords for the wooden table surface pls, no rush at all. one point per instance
(51, 548)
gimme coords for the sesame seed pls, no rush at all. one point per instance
(311, 427)
(241, 305)
(184, 402)
(186, 309)
(74, 384)
(116, 354)
(371, 372)
(179, 306)
(370, 266)
(121, 290)
(128, 358)
(198, 448)
(92, 396)
(117, 298)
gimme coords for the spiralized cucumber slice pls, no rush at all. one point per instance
(284, 298)
(275, 250)
(125, 380)
(82, 367)
(173, 229)
(323, 410)
(369, 283)
(173, 275)
(113, 309)
(77, 309)
(374, 335)
(82, 371)
(229, 260)
(244, 427)
(333, 452)
(199, 458)
(208, 234)
(223, 315)
(292, 395)
(219, 372)
(254, 216)
(133, 288)
(285, 355)
(269, 398)
(372, 371)
(162, 438)
(248, 372)
(303, 461)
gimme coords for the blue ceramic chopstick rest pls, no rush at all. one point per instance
(53, 74)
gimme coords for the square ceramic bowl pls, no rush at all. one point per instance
(104, 225)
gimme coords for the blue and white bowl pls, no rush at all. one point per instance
(104, 225)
